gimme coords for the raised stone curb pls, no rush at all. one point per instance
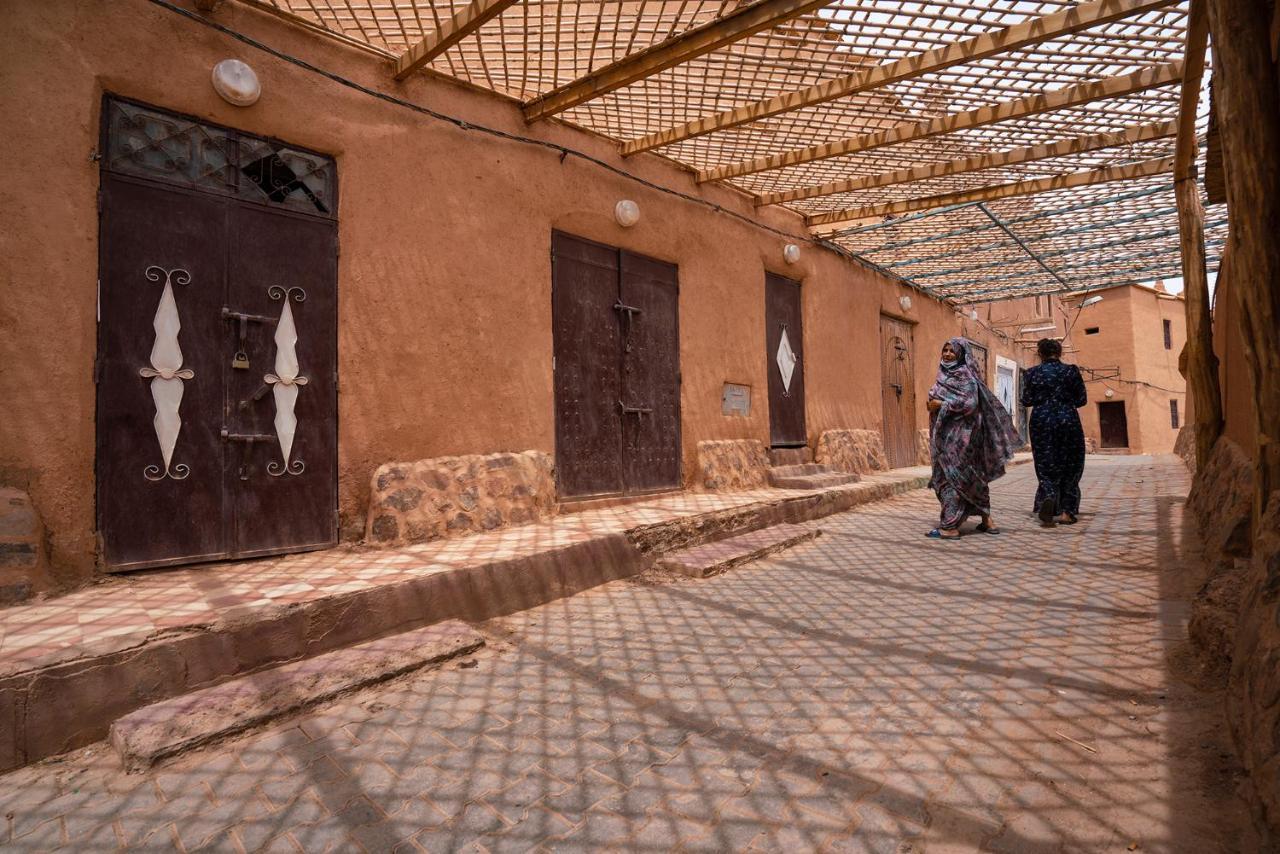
(718, 557)
(167, 728)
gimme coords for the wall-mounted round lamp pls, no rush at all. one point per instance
(973, 314)
(791, 253)
(236, 82)
(1108, 393)
(905, 302)
(627, 213)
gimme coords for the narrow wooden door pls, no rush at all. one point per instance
(1113, 424)
(784, 362)
(281, 422)
(897, 392)
(979, 356)
(161, 376)
(649, 318)
(586, 344)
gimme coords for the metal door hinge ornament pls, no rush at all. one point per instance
(286, 381)
(167, 374)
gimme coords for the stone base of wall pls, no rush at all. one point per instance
(924, 456)
(1221, 502)
(448, 496)
(1253, 692)
(23, 568)
(1185, 447)
(729, 465)
(853, 451)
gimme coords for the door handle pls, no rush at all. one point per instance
(629, 309)
(240, 360)
(242, 471)
(633, 410)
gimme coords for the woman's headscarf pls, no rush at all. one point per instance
(972, 434)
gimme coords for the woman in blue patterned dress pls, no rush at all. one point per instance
(971, 437)
(1055, 391)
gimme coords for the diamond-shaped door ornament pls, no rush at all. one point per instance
(286, 381)
(786, 360)
(167, 374)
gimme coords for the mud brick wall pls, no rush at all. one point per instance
(854, 451)
(728, 465)
(447, 496)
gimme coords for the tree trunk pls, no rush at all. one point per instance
(1248, 102)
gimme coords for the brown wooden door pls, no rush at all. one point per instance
(586, 345)
(897, 391)
(1113, 424)
(979, 355)
(784, 362)
(161, 383)
(193, 418)
(617, 380)
(284, 271)
(649, 319)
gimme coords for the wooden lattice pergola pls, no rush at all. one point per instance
(978, 150)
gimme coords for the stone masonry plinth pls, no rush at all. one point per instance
(853, 451)
(729, 465)
(446, 496)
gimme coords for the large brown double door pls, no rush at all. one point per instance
(217, 361)
(617, 369)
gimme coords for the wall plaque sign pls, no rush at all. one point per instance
(735, 400)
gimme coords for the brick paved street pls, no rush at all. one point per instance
(870, 690)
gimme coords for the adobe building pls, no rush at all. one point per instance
(1127, 346)
(220, 321)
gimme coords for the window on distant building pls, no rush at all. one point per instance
(1173, 410)
(1168, 334)
(1042, 306)
(1091, 330)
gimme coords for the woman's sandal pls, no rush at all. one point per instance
(935, 534)
(1065, 519)
(987, 529)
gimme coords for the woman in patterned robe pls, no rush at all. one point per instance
(971, 437)
(1056, 391)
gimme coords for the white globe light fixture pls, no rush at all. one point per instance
(905, 302)
(1109, 393)
(236, 82)
(791, 253)
(627, 213)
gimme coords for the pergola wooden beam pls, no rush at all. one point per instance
(1201, 370)
(745, 21)
(1031, 105)
(465, 21)
(1128, 172)
(1076, 145)
(969, 50)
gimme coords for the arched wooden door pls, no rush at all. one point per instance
(897, 391)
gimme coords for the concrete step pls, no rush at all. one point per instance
(790, 456)
(802, 470)
(170, 727)
(715, 558)
(820, 480)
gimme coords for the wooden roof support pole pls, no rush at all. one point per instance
(1201, 369)
(1076, 145)
(468, 19)
(1246, 95)
(747, 20)
(969, 50)
(1128, 172)
(1030, 105)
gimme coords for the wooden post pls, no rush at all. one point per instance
(1247, 98)
(1202, 362)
